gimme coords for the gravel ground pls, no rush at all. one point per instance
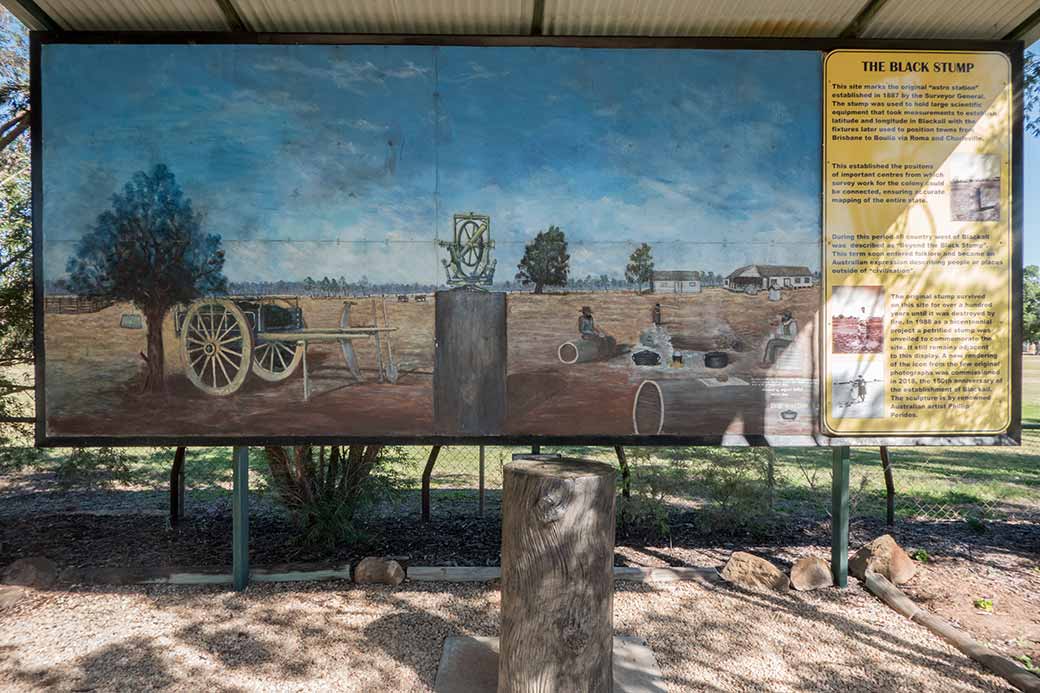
(338, 636)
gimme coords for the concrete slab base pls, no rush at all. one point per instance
(470, 665)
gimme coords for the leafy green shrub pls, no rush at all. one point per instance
(15, 459)
(976, 523)
(93, 468)
(730, 487)
(650, 484)
(325, 488)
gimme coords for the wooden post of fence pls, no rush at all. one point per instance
(480, 482)
(240, 518)
(840, 516)
(177, 487)
(426, 475)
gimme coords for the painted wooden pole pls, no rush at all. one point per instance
(240, 518)
(469, 372)
(557, 576)
(840, 516)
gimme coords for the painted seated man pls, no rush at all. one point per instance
(588, 330)
(784, 334)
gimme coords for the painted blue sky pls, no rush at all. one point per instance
(351, 160)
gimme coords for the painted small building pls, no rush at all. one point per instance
(675, 282)
(752, 278)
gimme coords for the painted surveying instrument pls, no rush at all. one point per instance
(470, 262)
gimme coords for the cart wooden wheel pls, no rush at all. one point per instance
(276, 360)
(218, 346)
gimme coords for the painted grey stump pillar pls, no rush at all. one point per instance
(557, 576)
(469, 370)
(840, 516)
(240, 518)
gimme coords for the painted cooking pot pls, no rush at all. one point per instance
(716, 359)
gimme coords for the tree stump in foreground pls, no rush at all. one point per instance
(557, 576)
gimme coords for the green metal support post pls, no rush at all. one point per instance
(840, 516)
(240, 518)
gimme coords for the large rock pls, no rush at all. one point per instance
(379, 571)
(35, 571)
(811, 573)
(9, 595)
(751, 571)
(885, 557)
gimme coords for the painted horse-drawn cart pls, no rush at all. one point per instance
(224, 339)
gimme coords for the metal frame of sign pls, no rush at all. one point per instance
(1014, 50)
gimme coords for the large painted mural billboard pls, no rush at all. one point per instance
(417, 242)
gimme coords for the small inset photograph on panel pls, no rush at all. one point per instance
(974, 187)
(858, 388)
(857, 319)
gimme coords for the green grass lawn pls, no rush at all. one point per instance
(1031, 389)
(958, 476)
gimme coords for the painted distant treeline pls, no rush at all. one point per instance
(328, 286)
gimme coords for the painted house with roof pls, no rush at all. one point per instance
(753, 278)
(675, 282)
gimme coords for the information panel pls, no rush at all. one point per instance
(481, 242)
(917, 283)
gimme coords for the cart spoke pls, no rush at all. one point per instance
(220, 361)
(282, 360)
(225, 350)
(234, 366)
(223, 322)
(213, 366)
(200, 357)
(193, 329)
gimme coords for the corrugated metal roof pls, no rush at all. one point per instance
(390, 16)
(699, 17)
(135, 15)
(948, 18)
(992, 19)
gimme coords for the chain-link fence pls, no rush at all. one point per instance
(958, 483)
(707, 486)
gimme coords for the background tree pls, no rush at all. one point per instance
(640, 269)
(16, 310)
(14, 79)
(1031, 93)
(149, 249)
(545, 261)
(1031, 304)
(16, 307)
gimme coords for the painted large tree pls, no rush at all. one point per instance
(640, 268)
(149, 249)
(545, 261)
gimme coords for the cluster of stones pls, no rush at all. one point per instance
(882, 556)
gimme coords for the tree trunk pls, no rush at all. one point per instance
(155, 381)
(538, 287)
(890, 487)
(626, 472)
(557, 576)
